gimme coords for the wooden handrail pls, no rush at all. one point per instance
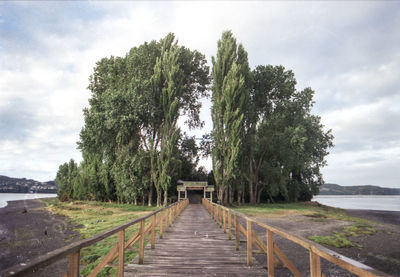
(74, 249)
(271, 250)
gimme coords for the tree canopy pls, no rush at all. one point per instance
(265, 144)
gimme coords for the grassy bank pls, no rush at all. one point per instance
(92, 218)
(315, 212)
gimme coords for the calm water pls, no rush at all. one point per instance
(361, 202)
(4, 197)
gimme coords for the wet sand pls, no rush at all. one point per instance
(28, 231)
(379, 250)
(388, 217)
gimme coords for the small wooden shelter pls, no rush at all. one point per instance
(185, 186)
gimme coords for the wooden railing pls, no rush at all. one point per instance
(161, 218)
(228, 219)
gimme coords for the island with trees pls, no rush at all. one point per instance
(265, 143)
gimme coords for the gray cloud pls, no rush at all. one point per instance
(346, 51)
(17, 120)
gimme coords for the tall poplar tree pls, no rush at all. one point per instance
(136, 101)
(169, 84)
(229, 97)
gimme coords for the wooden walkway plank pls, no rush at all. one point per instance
(194, 246)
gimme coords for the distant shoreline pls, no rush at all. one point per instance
(361, 202)
(388, 217)
(9, 197)
(28, 192)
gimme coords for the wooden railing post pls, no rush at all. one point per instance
(166, 219)
(315, 265)
(121, 246)
(270, 253)
(73, 264)
(141, 242)
(213, 208)
(220, 216)
(249, 243)
(224, 219)
(170, 216)
(229, 224)
(175, 212)
(161, 225)
(153, 231)
(237, 232)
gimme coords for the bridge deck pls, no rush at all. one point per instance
(194, 246)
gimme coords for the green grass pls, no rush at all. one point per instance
(337, 240)
(343, 238)
(92, 218)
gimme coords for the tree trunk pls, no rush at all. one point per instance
(238, 197)
(230, 196)
(165, 198)
(251, 187)
(135, 201)
(226, 194)
(158, 197)
(150, 194)
(259, 195)
(255, 191)
(220, 195)
(143, 201)
(251, 191)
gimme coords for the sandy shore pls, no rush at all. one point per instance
(379, 250)
(388, 217)
(28, 231)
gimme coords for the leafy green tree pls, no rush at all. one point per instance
(169, 84)
(65, 178)
(286, 145)
(229, 97)
(135, 103)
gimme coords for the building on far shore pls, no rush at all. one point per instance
(193, 190)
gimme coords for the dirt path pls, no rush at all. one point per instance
(27, 231)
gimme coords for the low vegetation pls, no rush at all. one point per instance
(281, 209)
(92, 218)
(316, 212)
(343, 238)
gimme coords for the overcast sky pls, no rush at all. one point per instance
(348, 52)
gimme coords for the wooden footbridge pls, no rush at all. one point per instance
(196, 240)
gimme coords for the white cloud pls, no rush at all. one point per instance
(346, 51)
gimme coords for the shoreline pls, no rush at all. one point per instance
(386, 217)
(27, 231)
(27, 196)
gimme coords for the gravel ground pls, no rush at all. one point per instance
(380, 250)
(28, 231)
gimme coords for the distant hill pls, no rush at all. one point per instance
(22, 185)
(334, 189)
